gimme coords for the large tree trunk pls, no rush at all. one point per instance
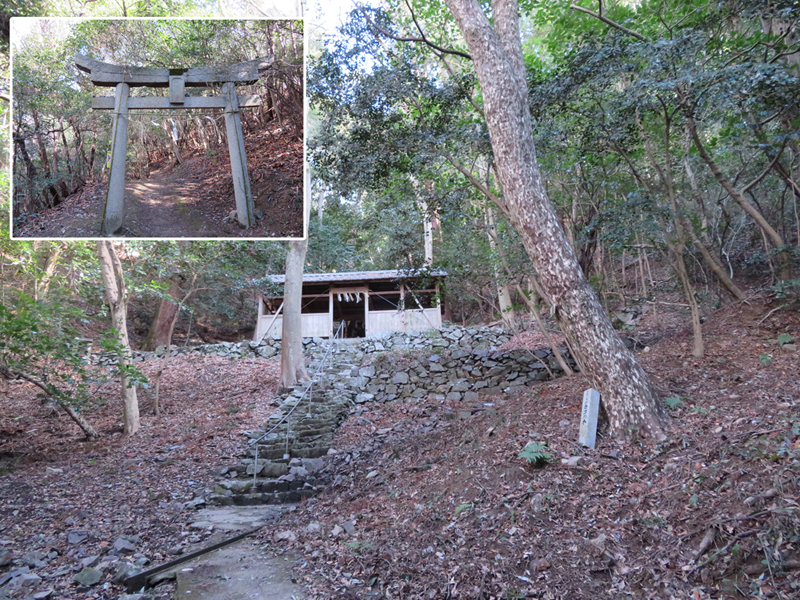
(503, 287)
(427, 229)
(30, 171)
(161, 330)
(42, 286)
(629, 398)
(116, 295)
(172, 134)
(168, 340)
(293, 366)
(40, 144)
(90, 167)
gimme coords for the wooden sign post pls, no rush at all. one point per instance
(122, 78)
(589, 412)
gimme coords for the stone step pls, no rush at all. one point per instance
(314, 447)
(263, 498)
(285, 483)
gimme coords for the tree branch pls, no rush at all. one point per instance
(423, 39)
(764, 172)
(608, 21)
(55, 394)
(440, 56)
(471, 100)
(474, 181)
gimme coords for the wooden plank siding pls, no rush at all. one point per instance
(353, 300)
(314, 325)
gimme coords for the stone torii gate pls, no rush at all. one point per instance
(123, 77)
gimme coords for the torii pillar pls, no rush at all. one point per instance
(112, 213)
(241, 181)
(122, 77)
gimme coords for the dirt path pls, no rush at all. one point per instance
(193, 200)
(175, 203)
(169, 204)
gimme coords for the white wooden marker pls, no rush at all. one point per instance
(589, 412)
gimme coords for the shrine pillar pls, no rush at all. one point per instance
(241, 181)
(112, 214)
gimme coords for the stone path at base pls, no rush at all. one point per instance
(242, 571)
(236, 519)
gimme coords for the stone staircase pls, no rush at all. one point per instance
(285, 457)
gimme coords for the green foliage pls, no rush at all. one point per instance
(39, 343)
(787, 288)
(673, 402)
(606, 94)
(466, 506)
(128, 8)
(358, 546)
(774, 449)
(765, 359)
(610, 129)
(784, 339)
(536, 454)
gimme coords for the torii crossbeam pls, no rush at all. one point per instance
(123, 77)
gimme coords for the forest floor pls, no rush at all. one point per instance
(193, 199)
(441, 507)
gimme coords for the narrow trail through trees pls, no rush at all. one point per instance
(191, 200)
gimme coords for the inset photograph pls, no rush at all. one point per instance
(157, 128)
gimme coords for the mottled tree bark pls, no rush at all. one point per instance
(116, 295)
(503, 288)
(629, 398)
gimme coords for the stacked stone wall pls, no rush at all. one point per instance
(286, 453)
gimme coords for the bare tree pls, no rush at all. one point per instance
(117, 296)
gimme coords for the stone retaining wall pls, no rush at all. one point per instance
(454, 364)
(477, 338)
(454, 374)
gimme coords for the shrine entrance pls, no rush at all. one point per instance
(123, 77)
